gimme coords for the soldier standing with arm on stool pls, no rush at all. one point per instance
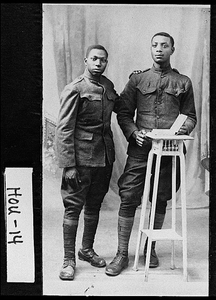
(85, 151)
(157, 96)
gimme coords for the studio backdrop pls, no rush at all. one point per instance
(126, 31)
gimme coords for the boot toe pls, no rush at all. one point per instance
(118, 264)
(67, 271)
(98, 262)
(90, 256)
(110, 271)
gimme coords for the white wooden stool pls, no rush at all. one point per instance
(163, 145)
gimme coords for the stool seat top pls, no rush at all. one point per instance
(163, 136)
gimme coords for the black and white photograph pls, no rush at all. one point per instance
(126, 149)
(107, 167)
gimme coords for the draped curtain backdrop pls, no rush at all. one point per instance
(125, 31)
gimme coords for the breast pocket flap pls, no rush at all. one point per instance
(146, 90)
(92, 97)
(174, 91)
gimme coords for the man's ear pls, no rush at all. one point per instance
(85, 60)
(173, 49)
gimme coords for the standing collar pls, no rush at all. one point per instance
(162, 70)
(91, 77)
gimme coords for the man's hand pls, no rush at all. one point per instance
(140, 137)
(183, 130)
(72, 178)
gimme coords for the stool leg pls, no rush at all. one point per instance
(184, 216)
(143, 209)
(152, 217)
(173, 209)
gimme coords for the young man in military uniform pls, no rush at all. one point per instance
(85, 151)
(157, 96)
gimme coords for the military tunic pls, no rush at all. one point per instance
(84, 140)
(83, 134)
(152, 99)
(157, 97)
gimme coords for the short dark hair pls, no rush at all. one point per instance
(165, 34)
(95, 47)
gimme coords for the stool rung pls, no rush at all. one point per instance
(163, 234)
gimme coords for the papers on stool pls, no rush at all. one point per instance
(164, 133)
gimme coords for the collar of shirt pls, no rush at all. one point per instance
(162, 70)
(92, 78)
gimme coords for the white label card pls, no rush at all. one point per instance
(19, 225)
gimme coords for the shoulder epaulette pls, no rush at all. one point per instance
(78, 79)
(175, 70)
(138, 72)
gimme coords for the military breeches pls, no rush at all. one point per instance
(131, 184)
(94, 186)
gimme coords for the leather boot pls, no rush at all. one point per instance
(68, 270)
(154, 261)
(121, 260)
(92, 257)
(118, 264)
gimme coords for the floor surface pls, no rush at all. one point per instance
(91, 281)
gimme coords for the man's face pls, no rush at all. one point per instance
(96, 62)
(161, 49)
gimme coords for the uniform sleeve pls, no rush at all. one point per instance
(188, 106)
(117, 101)
(64, 138)
(127, 107)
